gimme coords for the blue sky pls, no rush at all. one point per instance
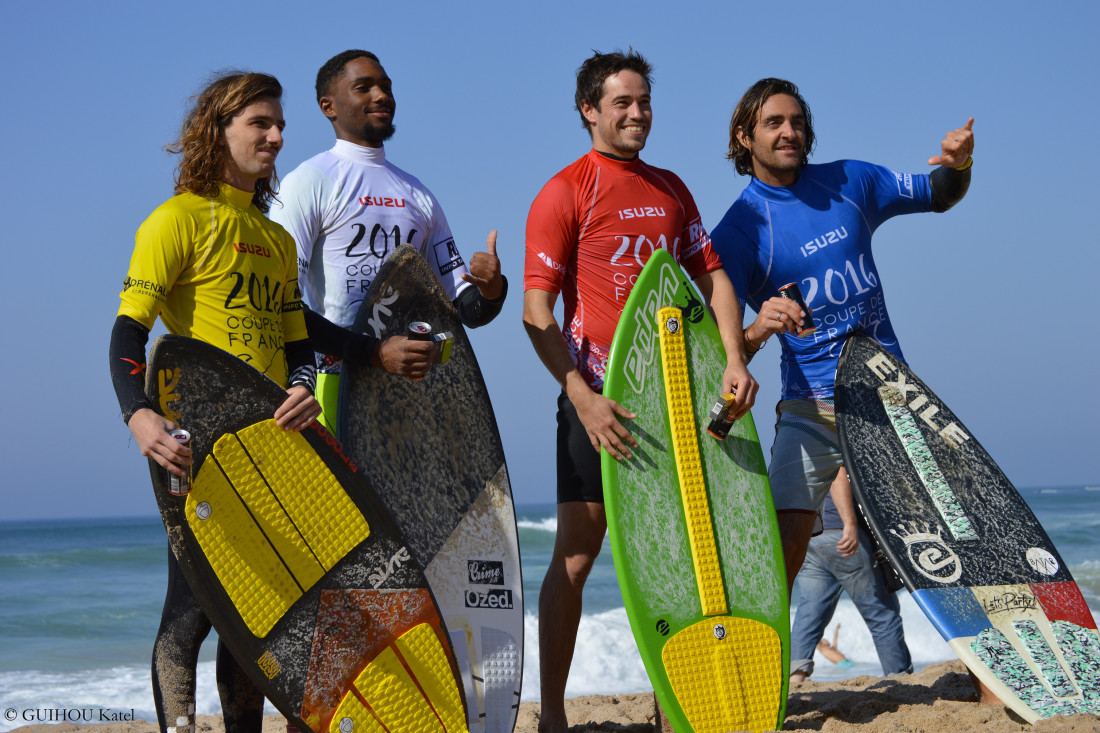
(993, 300)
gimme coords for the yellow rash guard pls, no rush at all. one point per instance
(218, 270)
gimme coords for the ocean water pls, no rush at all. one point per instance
(80, 603)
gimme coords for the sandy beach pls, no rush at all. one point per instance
(938, 698)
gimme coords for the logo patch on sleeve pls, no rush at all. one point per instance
(446, 254)
(905, 184)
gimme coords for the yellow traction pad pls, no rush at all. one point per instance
(271, 520)
(409, 686)
(726, 673)
(689, 466)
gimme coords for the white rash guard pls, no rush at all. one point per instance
(347, 209)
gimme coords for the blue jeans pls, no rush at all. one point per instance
(823, 576)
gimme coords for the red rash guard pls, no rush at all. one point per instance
(591, 229)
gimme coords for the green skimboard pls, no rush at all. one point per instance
(691, 521)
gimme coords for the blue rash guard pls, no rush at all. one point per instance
(818, 233)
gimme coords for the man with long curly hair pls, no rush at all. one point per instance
(191, 257)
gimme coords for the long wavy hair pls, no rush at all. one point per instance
(747, 113)
(201, 144)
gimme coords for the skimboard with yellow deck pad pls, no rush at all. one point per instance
(432, 451)
(296, 562)
(691, 521)
(963, 540)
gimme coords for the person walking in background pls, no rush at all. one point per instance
(840, 560)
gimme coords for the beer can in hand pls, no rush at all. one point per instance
(721, 417)
(791, 291)
(180, 485)
(419, 331)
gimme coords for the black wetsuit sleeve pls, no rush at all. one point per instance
(328, 338)
(948, 187)
(127, 355)
(299, 354)
(302, 364)
(474, 309)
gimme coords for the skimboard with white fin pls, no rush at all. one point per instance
(432, 450)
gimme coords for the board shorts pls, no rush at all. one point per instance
(805, 455)
(579, 474)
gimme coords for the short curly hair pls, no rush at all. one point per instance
(331, 70)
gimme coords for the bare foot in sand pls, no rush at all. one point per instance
(553, 721)
(985, 695)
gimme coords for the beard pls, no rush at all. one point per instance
(378, 134)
